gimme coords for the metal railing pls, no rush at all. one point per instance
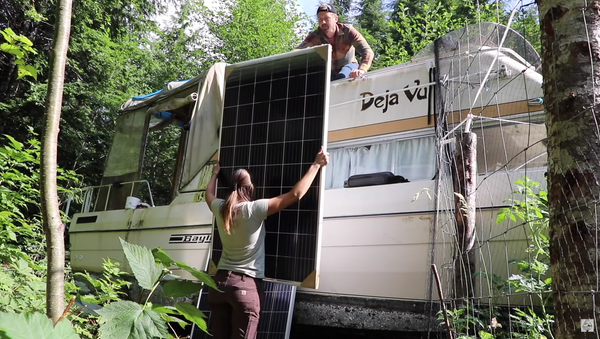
(88, 195)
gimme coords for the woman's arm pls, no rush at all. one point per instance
(299, 190)
(211, 188)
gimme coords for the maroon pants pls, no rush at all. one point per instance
(235, 310)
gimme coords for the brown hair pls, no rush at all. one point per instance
(242, 190)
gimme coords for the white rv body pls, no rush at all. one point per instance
(376, 241)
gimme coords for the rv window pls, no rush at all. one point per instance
(511, 147)
(413, 159)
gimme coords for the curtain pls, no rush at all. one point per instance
(413, 159)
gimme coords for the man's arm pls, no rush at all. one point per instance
(310, 40)
(362, 47)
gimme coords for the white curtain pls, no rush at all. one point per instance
(413, 159)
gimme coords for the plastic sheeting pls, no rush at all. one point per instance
(203, 137)
(125, 152)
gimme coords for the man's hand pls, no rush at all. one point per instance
(355, 73)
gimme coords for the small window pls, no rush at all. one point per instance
(511, 147)
(414, 159)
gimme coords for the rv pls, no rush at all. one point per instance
(377, 242)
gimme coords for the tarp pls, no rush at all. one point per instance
(203, 138)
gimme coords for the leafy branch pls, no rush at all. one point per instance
(19, 46)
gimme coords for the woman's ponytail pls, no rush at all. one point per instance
(227, 211)
(241, 190)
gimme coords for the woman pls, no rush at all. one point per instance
(240, 221)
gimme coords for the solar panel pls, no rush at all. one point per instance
(275, 315)
(274, 123)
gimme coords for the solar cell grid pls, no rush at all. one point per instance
(273, 125)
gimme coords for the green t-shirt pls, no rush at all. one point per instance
(244, 248)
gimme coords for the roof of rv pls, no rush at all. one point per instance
(472, 38)
(169, 89)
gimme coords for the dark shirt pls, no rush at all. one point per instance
(347, 40)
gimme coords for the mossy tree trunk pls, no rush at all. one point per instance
(571, 54)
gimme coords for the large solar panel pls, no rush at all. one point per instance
(274, 123)
(275, 316)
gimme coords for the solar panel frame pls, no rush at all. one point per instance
(293, 239)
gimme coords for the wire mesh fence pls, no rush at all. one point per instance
(491, 241)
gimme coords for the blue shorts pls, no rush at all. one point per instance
(345, 71)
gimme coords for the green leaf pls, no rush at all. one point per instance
(162, 257)
(8, 34)
(31, 71)
(165, 309)
(87, 307)
(36, 325)
(192, 314)
(12, 49)
(142, 264)
(11, 235)
(23, 39)
(128, 320)
(180, 288)
(170, 319)
(14, 143)
(203, 277)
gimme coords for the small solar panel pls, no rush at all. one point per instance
(274, 123)
(275, 316)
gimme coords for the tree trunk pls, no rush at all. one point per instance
(570, 47)
(53, 226)
(464, 214)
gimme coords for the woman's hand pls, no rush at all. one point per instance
(322, 158)
(216, 168)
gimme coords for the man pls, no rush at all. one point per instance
(344, 39)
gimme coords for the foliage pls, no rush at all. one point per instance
(20, 224)
(22, 245)
(19, 46)
(532, 325)
(343, 8)
(252, 29)
(22, 288)
(159, 162)
(106, 289)
(102, 290)
(526, 22)
(112, 57)
(373, 26)
(464, 319)
(531, 210)
(33, 325)
(397, 35)
(127, 319)
(413, 31)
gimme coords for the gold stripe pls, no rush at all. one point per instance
(507, 109)
(496, 111)
(378, 129)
